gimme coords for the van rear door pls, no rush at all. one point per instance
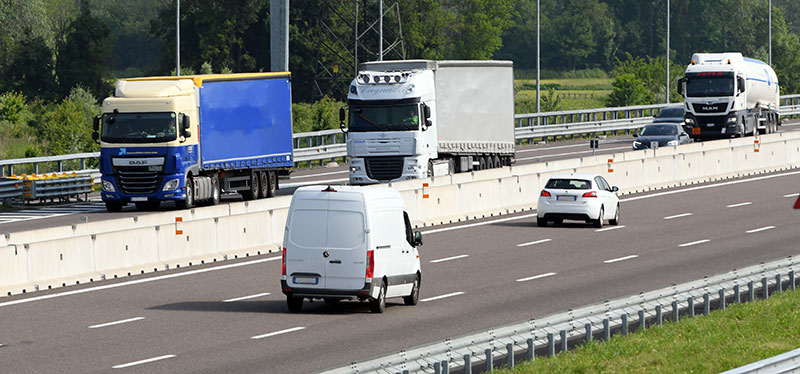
(346, 243)
(305, 242)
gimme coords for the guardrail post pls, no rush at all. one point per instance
(706, 304)
(437, 368)
(690, 302)
(722, 299)
(659, 317)
(36, 167)
(751, 292)
(531, 349)
(551, 345)
(510, 355)
(606, 330)
(83, 164)
(588, 327)
(764, 288)
(791, 280)
(445, 367)
(60, 166)
(563, 340)
(778, 284)
(624, 318)
(467, 365)
(489, 360)
(736, 298)
(675, 311)
(642, 321)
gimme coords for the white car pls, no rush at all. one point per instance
(575, 196)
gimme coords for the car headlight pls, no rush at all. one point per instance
(354, 169)
(672, 142)
(108, 187)
(171, 185)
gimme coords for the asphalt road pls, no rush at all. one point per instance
(476, 275)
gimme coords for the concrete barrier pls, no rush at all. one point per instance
(13, 266)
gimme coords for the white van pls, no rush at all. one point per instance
(346, 242)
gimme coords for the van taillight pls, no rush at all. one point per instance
(370, 264)
(283, 262)
(590, 194)
(545, 194)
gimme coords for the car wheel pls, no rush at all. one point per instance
(378, 305)
(413, 298)
(541, 222)
(294, 303)
(615, 220)
(599, 221)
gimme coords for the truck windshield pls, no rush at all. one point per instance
(384, 118)
(708, 84)
(139, 127)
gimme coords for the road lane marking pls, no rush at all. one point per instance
(319, 175)
(678, 216)
(138, 281)
(613, 260)
(609, 228)
(535, 242)
(581, 145)
(792, 195)
(738, 205)
(479, 224)
(443, 296)
(536, 277)
(449, 258)
(300, 184)
(267, 335)
(569, 153)
(116, 322)
(142, 361)
(765, 228)
(245, 297)
(694, 243)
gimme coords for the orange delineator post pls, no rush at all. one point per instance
(178, 220)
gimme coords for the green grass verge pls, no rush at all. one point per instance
(726, 339)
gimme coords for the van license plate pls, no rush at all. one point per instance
(305, 280)
(565, 198)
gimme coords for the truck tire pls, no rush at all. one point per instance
(272, 183)
(497, 163)
(263, 184)
(216, 191)
(113, 206)
(187, 203)
(252, 193)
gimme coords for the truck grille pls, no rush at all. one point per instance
(137, 179)
(384, 168)
(710, 108)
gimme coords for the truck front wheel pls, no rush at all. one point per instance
(187, 203)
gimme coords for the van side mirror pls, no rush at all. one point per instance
(417, 238)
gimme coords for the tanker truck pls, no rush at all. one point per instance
(413, 119)
(728, 95)
(190, 139)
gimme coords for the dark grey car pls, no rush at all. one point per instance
(671, 113)
(665, 134)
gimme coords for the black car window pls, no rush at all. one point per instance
(651, 130)
(409, 232)
(569, 184)
(670, 113)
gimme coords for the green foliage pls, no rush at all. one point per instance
(550, 102)
(321, 115)
(651, 74)
(629, 90)
(67, 128)
(12, 106)
(85, 57)
(477, 32)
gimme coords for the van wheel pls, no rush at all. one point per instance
(378, 305)
(413, 299)
(541, 222)
(599, 221)
(294, 303)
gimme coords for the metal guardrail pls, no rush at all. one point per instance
(788, 362)
(10, 189)
(556, 332)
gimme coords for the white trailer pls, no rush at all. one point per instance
(727, 95)
(415, 119)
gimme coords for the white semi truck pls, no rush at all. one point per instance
(727, 95)
(414, 119)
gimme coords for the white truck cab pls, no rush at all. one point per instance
(349, 243)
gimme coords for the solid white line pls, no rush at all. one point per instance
(449, 258)
(116, 322)
(765, 228)
(443, 296)
(479, 224)
(278, 333)
(245, 297)
(679, 216)
(142, 361)
(609, 228)
(569, 153)
(325, 182)
(536, 277)
(738, 205)
(620, 259)
(532, 243)
(319, 175)
(756, 179)
(694, 243)
(138, 281)
(792, 195)
(582, 145)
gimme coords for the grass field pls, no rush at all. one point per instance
(726, 339)
(574, 93)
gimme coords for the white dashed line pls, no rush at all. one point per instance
(293, 329)
(694, 243)
(532, 243)
(449, 258)
(443, 296)
(738, 205)
(536, 277)
(620, 259)
(245, 297)
(116, 322)
(142, 361)
(765, 228)
(678, 216)
(609, 228)
(792, 195)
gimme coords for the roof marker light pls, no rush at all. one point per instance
(329, 189)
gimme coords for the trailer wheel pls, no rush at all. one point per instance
(252, 193)
(481, 163)
(272, 183)
(497, 162)
(263, 185)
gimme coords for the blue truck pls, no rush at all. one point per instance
(191, 139)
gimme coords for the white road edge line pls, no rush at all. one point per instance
(679, 216)
(246, 297)
(609, 228)
(267, 335)
(449, 258)
(443, 296)
(138, 281)
(142, 361)
(536, 277)
(535, 242)
(116, 322)
(694, 243)
(792, 195)
(760, 229)
(738, 205)
(613, 260)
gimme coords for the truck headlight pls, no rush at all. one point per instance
(637, 143)
(171, 185)
(731, 120)
(672, 142)
(414, 168)
(108, 187)
(689, 121)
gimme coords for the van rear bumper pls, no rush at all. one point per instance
(317, 293)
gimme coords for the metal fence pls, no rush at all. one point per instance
(556, 333)
(10, 189)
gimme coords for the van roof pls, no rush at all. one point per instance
(365, 192)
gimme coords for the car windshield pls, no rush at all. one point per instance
(709, 84)
(655, 130)
(139, 127)
(569, 184)
(671, 113)
(384, 118)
